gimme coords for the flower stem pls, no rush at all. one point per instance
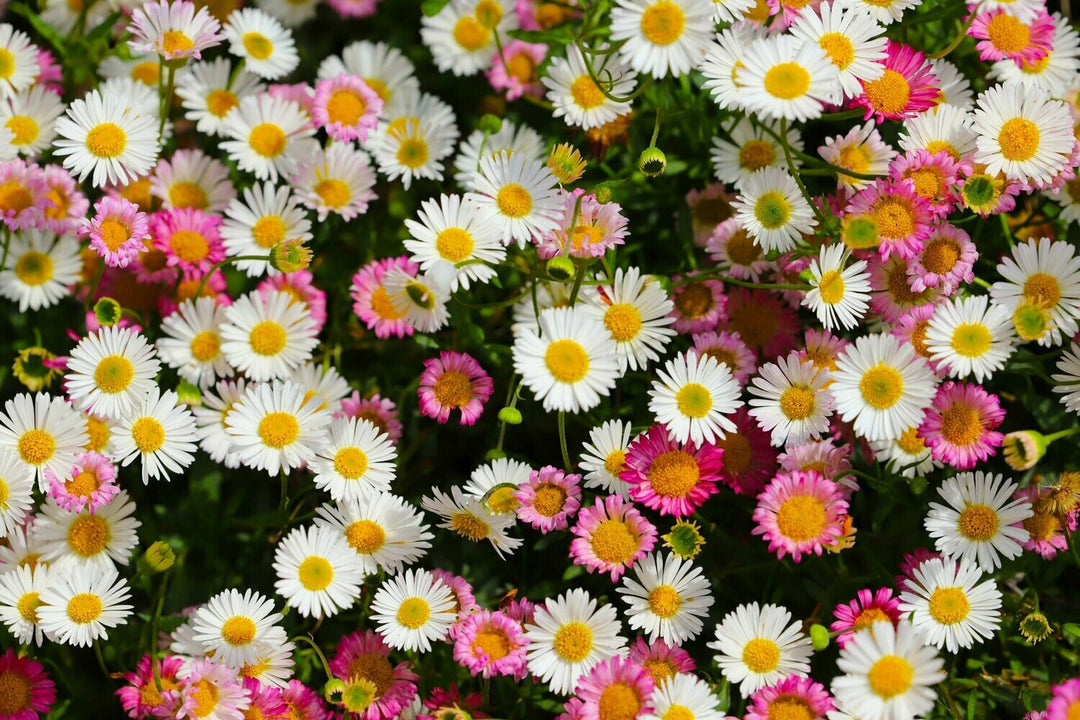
(794, 173)
(562, 442)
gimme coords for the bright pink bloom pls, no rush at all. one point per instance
(65, 206)
(1003, 36)
(911, 328)
(190, 238)
(371, 301)
(907, 88)
(206, 681)
(892, 295)
(520, 609)
(572, 710)
(549, 499)
(611, 536)
(23, 195)
(346, 106)
(301, 285)
(765, 323)
(615, 671)
(932, 175)
(789, 10)
(464, 599)
(729, 349)
(736, 253)
(491, 644)
(300, 93)
(749, 457)
(141, 698)
(454, 381)
(354, 8)
(903, 217)
(699, 305)
(17, 673)
(800, 513)
(959, 426)
(267, 699)
(379, 411)
(674, 478)
(586, 229)
(303, 703)
(92, 484)
(822, 348)
(823, 457)
(364, 655)
(117, 231)
(862, 612)
(660, 659)
(946, 260)
(794, 696)
(1064, 701)
(443, 701)
(50, 73)
(514, 70)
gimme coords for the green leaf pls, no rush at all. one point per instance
(1072, 629)
(971, 705)
(42, 28)
(433, 7)
(1034, 700)
(559, 35)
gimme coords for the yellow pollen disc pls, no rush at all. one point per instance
(174, 41)
(573, 642)
(978, 522)
(34, 268)
(7, 63)
(334, 193)
(375, 669)
(881, 387)
(694, 400)
(797, 403)
(88, 535)
(761, 655)
(345, 106)
(614, 542)
(772, 210)
(961, 425)
(365, 536)
(24, 129)
(238, 630)
(664, 601)
(107, 140)
(315, 573)
(738, 453)
(890, 676)
(855, 158)
(148, 434)
(220, 102)
(694, 301)
(97, 433)
(756, 154)
(1035, 68)
(381, 305)
(674, 473)
(278, 429)
(488, 13)
(205, 346)
(949, 605)
(839, 49)
(413, 152)
(14, 197)
(493, 643)
(675, 712)
(585, 93)
(522, 68)
(188, 194)
(615, 462)
(929, 182)
(741, 249)
(623, 321)
(471, 35)
(801, 518)
(114, 233)
(889, 93)
(454, 244)
(84, 608)
(258, 45)
(1042, 290)
(971, 339)
(267, 338)
(267, 139)
(911, 443)
(831, 287)
(502, 500)
(27, 607)
(1019, 139)
(662, 23)
(351, 463)
(587, 235)
(619, 701)
(189, 246)
(413, 613)
(268, 231)
(936, 146)
(469, 526)
(550, 499)
(894, 217)
(1042, 526)
(940, 255)
(567, 361)
(514, 201)
(146, 73)
(205, 697)
(868, 617)
(790, 707)
(1008, 34)
(36, 446)
(84, 484)
(787, 80)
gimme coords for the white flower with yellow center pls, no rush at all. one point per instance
(791, 401)
(510, 139)
(522, 194)
(838, 295)
(749, 149)
(384, 69)
(683, 696)
(161, 433)
(495, 483)
(661, 37)
(945, 128)
(889, 673)
(981, 523)
(31, 118)
(1044, 273)
(949, 605)
(603, 457)
(414, 609)
(337, 180)
(210, 420)
(906, 455)
(569, 635)
(414, 143)
(20, 598)
(41, 268)
(454, 239)
(291, 13)
(324, 383)
(272, 427)
(885, 12)
(265, 218)
(21, 548)
(1022, 133)
(419, 299)
(18, 61)
(759, 645)
(266, 47)
(882, 385)
(268, 136)
(208, 96)
(191, 342)
(636, 312)
(693, 397)
(79, 607)
(1055, 72)
(953, 86)
(141, 68)
(92, 539)
(571, 364)
(1067, 378)
(668, 599)
(274, 664)
(43, 433)
(384, 531)
(785, 77)
(772, 210)
(469, 518)
(577, 97)
(861, 150)
(268, 336)
(110, 371)
(723, 65)
(970, 336)
(16, 492)
(101, 136)
(317, 572)
(461, 36)
(235, 627)
(356, 457)
(851, 38)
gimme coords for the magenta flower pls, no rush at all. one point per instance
(960, 425)
(490, 644)
(800, 513)
(29, 690)
(549, 499)
(92, 484)
(454, 381)
(117, 231)
(346, 106)
(794, 696)
(862, 612)
(611, 536)
(674, 478)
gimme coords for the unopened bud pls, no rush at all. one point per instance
(1024, 448)
(490, 124)
(561, 268)
(1035, 627)
(290, 256)
(510, 416)
(819, 637)
(107, 312)
(189, 394)
(159, 557)
(333, 690)
(652, 162)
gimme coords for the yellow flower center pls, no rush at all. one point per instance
(205, 346)
(585, 93)
(772, 210)
(623, 321)
(940, 255)
(1008, 34)
(454, 244)
(267, 139)
(88, 535)
(737, 453)
(890, 676)
(662, 23)
(894, 217)
(36, 446)
(910, 442)
(488, 13)
(573, 642)
(1035, 68)
(413, 152)
(205, 697)
(961, 425)
(949, 605)
(619, 701)
(1019, 139)
(550, 499)
(831, 287)
(470, 34)
(453, 389)
(797, 403)
(365, 536)
(374, 668)
(801, 518)
(238, 630)
(514, 201)
(351, 463)
(756, 154)
(267, 338)
(694, 400)
(790, 707)
(334, 193)
(674, 473)
(615, 462)
(614, 542)
(493, 643)
(888, 94)
(855, 158)
(315, 573)
(146, 73)
(787, 80)
(676, 712)
(928, 180)
(664, 601)
(881, 386)
(694, 301)
(27, 607)
(34, 268)
(268, 231)
(469, 526)
(24, 129)
(868, 617)
(14, 197)
(761, 655)
(106, 140)
(7, 63)
(174, 41)
(978, 522)
(278, 429)
(502, 500)
(189, 246)
(567, 361)
(839, 49)
(97, 433)
(114, 233)
(258, 45)
(148, 434)
(188, 194)
(741, 249)
(413, 613)
(971, 339)
(1042, 526)
(345, 106)
(84, 608)
(220, 102)
(1042, 290)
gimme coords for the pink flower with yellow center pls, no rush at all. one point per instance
(190, 238)
(117, 231)
(346, 106)
(362, 662)
(92, 484)
(549, 499)
(454, 381)
(611, 536)
(902, 216)
(862, 612)
(615, 688)
(674, 478)
(800, 513)
(792, 697)
(28, 692)
(1002, 36)
(514, 70)
(141, 697)
(490, 644)
(960, 425)
(945, 261)
(379, 411)
(371, 301)
(906, 88)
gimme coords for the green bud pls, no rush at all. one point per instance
(333, 690)
(189, 394)
(561, 268)
(490, 124)
(1035, 627)
(290, 256)
(510, 416)
(652, 162)
(819, 636)
(1024, 448)
(806, 276)
(918, 485)
(494, 454)
(603, 194)
(159, 557)
(107, 311)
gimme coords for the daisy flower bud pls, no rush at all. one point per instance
(290, 256)
(1024, 448)
(652, 162)
(561, 268)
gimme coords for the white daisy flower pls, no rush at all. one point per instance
(1045, 273)
(571, 365)
(470, 519)
(461, 36)
(20, 598)
(569, 636)
(784, 77)
(268, 136)
(693, 396)
(661, 37)
(267, 336)
(668, 599)
(495, 483)
(684, 696)
(577, 97)
(750, 148)
(16, 491)
(92, 539)
(323, 383)
(944, 128)
(604, 457)
(44, 433)
(384, 69)
(521, 192)
(111, 370)
(291, 13)
(906, 455)
(414, 144)
(731, 11)
(723, 64)
(881, 385)
(791, 401)
(317, 572)
(773, 210)
(453, 240)
(41, 268)
(852, 39)
(953, 86)
(21, 548)
(141, 68)
(81, 604)
(1068, 378)
(421, 299)
(258, 39)
(759, 645)
(274, 663)
(636, 312)
(1056, 71)
(31, 117)
(336, 180)
(191, 342)
(861, 151)
(262, 220)
(210, 421)
(970, 336)
(981, 523)
(509, 139)
(160, 432)
(273, 429)
(839, 296)
(385, 532)
(885, 12)
(19, 57)
(413, 609)
(175, 31)
(207, 95)
(355, 457)
(235, 627)
(949, 605)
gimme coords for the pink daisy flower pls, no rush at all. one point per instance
(173, 30)
(363, 655)
(611, 536)
(729, 349)
(615, 677)
(765, 323)
(215, 287)
(891, 294)
(862, 612)
(572, 710)
(151, 266)
(699, 305)
(822, 348)
(749, 457)
(708, 208)
(50, 73)
(190, 238)
(906, 88)
(1064, 701)
(92, 484)
(303, 703)
(959, 426)
(674, 478)
(371, 301)
(902, 216)
(30, 692)
(549, 499)
(67, 205)
(1002, 35)
(209, 688)
(301, 286)
(911, 327)
(586, 229)
(822, 457)
(794, 696)
(354, 8)
(379, 411)
(454, 381)
(300, 93)
(789, 10)
(932, 176)
(1045, 535)
(520, 609)
(23, 194)
(800, 513)
(464, 601)
(491, 644)
(946, 260)
(514, 70)
(141, 698)
(661, 660)
(736, 253)
(266, 700)
(117, 231)
(346, 106)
